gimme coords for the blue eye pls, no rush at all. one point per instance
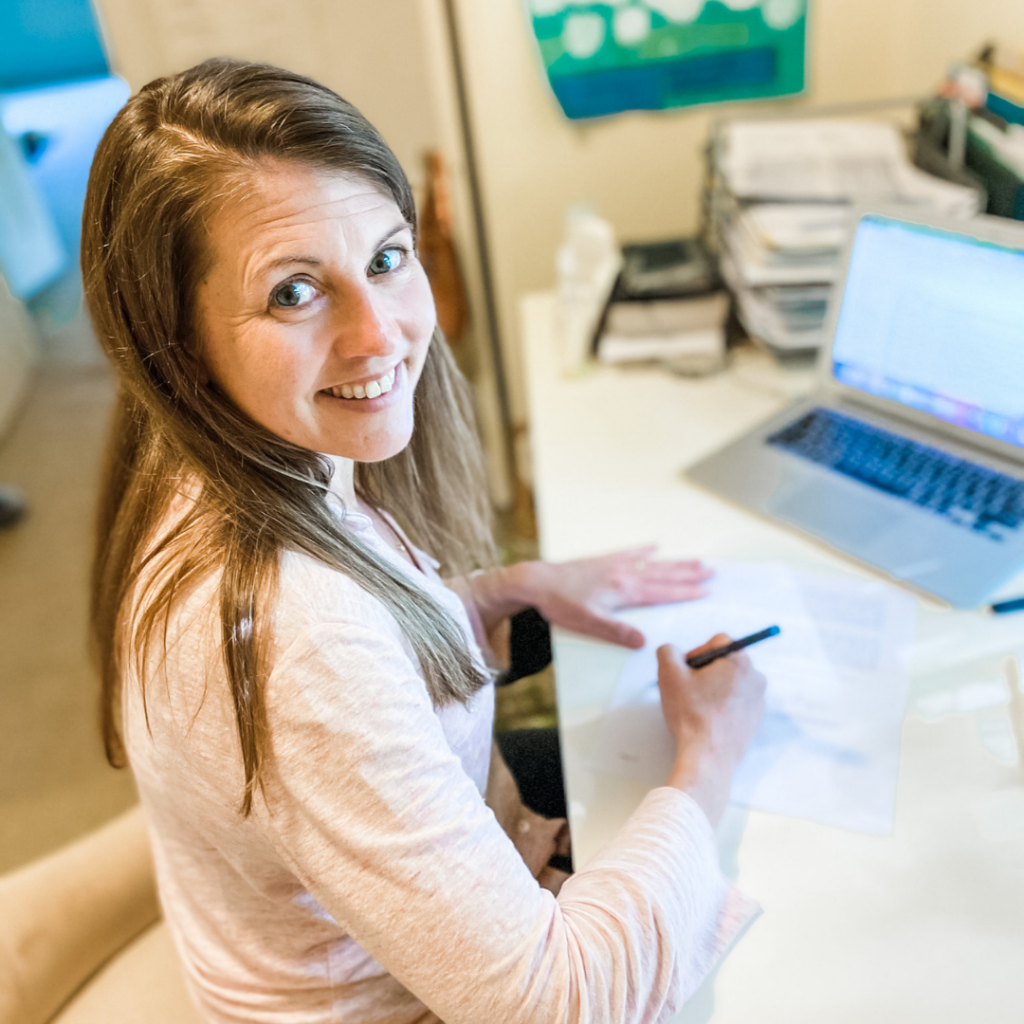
(292, 294)
(386, 260)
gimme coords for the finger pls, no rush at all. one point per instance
(690, 569)
(535, 839)
(718, 640)
(642, 593)
(552, 879)
(672, 664)
(674, 566)
(668, 655)
(658, 583)
(741, 657)
(590, 623)
(634, 554)
(563, 841)
(675, 684)
(549, 839)
(634, 582)
(548, 828)
(620, 563)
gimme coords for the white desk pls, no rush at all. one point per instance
(926, 925)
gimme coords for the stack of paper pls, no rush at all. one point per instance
(790, 184)
(822, 160)
(668, 305)
(780, 261)
(829, 744)
(685, 333)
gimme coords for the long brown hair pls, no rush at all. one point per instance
(173, 151)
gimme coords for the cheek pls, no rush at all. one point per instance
(262, 376)
(421, 319)
(269, 371)
(280, 363)
(425, 305)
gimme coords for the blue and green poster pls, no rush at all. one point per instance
(604, 58)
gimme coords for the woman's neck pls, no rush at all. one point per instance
(343, 487)
(343, 483)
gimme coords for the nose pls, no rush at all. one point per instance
(361, 325)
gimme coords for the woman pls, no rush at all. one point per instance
(304, 703)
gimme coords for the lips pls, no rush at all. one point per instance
(367, 389)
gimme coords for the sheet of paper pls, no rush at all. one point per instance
(798, 229)
(832, 160)
(828, 747)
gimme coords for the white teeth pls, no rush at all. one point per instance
(373, 389)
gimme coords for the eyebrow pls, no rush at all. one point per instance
(313, 261)
(285, 261)
(404, 226)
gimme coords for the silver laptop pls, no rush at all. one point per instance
(910, 454)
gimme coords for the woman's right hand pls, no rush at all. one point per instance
(712, 713)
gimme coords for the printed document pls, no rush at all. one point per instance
(832, 160)
(828, 747)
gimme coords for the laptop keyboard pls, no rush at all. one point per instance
(970, 495)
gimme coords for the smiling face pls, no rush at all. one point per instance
(316, 314)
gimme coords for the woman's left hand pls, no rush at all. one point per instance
(579, 595)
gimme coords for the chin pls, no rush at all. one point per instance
(373, 450)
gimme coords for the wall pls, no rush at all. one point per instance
(642, 171)
(343, 43)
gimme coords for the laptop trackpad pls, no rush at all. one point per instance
(830, 513)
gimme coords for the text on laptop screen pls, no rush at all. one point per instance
(935, 320)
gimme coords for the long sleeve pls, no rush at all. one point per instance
(371, 882)
(376, 816)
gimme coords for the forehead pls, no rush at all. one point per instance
(281, 202)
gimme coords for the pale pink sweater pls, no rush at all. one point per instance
(373, 884)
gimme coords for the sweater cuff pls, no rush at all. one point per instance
(725, 910)
(736, 910)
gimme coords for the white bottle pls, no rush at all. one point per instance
(587, 264)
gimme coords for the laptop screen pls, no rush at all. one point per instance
(935, 321)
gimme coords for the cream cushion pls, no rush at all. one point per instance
(142, 984)
(80, 938)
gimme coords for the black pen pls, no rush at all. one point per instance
(706, 657)
(1001, 607)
